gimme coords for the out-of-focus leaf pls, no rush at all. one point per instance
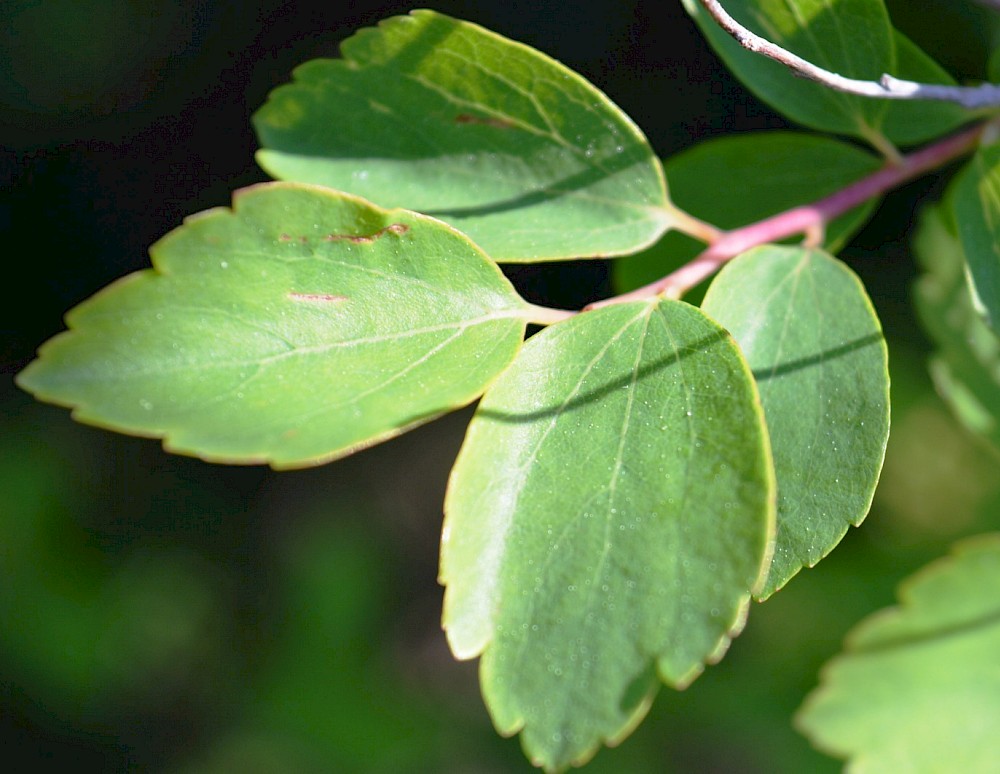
(966, 366)
(917, 688)
(739, 179)
(609, 515)
(327, 684)
(853, 38)
(993, 66)
(439, 115)
(810, 334)
(909, 122)
(297, 327)
(975, 202)
(80, 631)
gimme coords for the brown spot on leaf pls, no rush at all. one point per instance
(499, 123)
(393, 228)
(315, 297)
(284, 238)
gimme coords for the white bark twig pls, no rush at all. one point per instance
(809, 219)
(986, 95)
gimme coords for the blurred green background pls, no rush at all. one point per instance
(161, 614)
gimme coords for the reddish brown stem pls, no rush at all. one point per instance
(806, 219)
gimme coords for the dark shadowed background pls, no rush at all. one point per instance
(161, 614)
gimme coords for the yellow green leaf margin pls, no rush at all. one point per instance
(297, 327)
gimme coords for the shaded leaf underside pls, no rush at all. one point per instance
(751, 177)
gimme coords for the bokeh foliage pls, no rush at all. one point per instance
(160, 611)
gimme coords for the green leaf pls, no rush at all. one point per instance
(297, 327)
(993, 66)
(917, 688)
(909, 122)
(975, 201)
(609, 514)
(811, 336)
(853, 38)
(966, 366)
(506, 144)
(753, 176)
